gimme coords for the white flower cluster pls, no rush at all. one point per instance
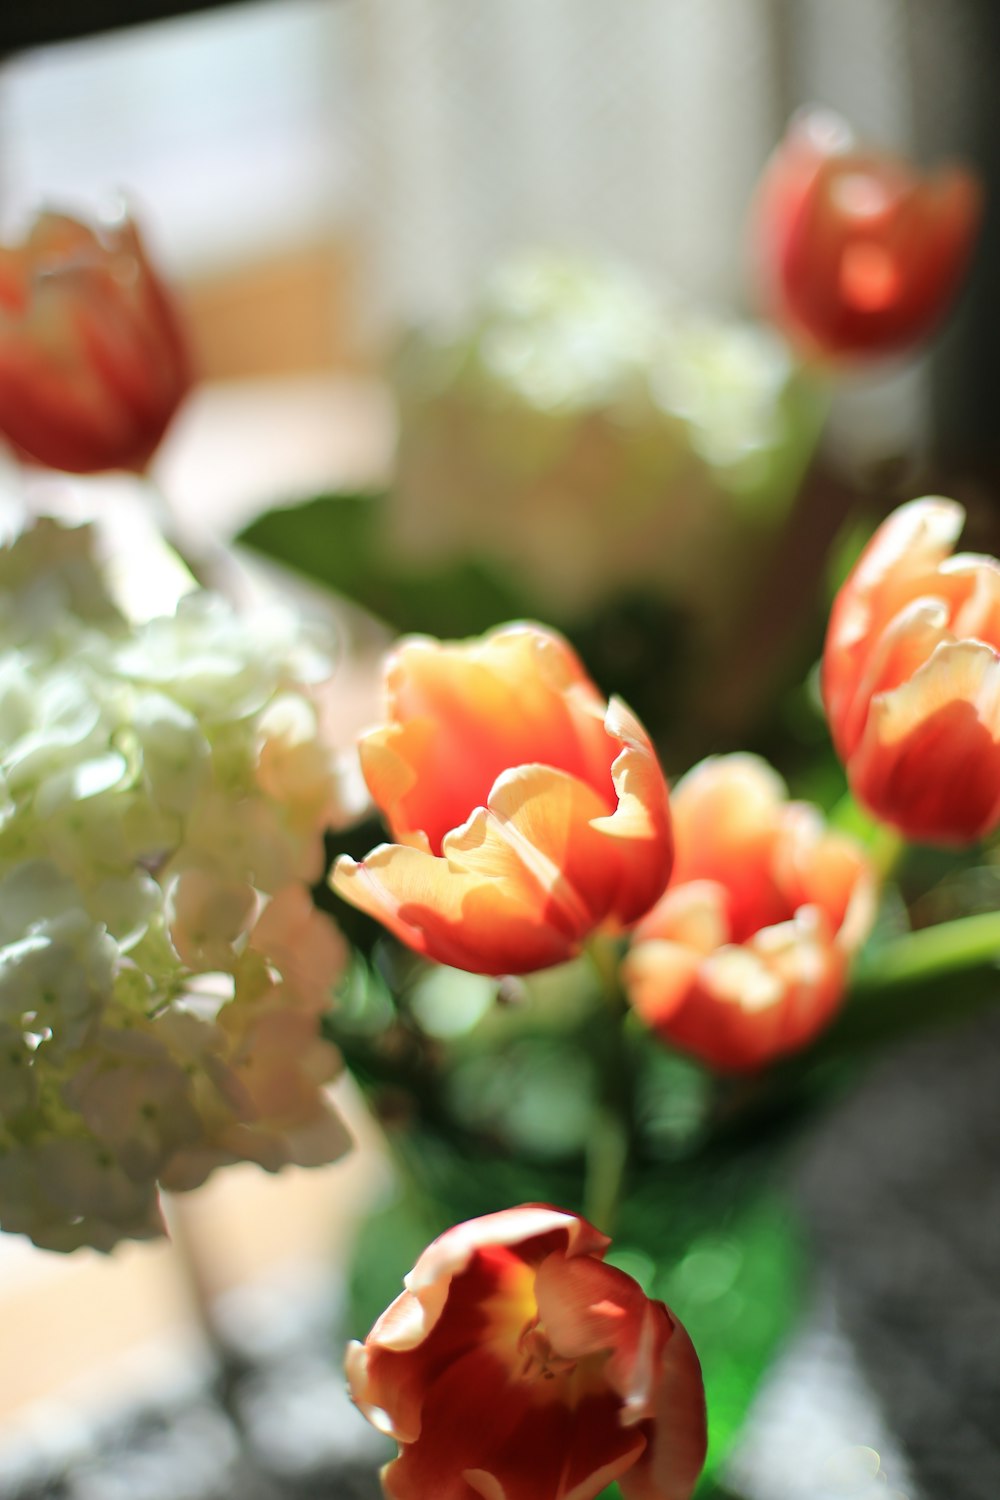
(163, 795)
(595, 435)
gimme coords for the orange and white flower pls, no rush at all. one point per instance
(518, 1366)
(528, 813)
(859, 255)
(911, 678)
(93, 356)
(745, 956)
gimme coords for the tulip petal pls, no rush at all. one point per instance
(694, 913)
(725, 823)
(976, 612)
(460, 714)
(517, 1366)
(527, 879)
(858, 254)
(670, 1466)
(481, 910)
(658, 976)
(588, 1308)
(929, 760)
(751, 964)
(640, 825)
(532, 1446)
(533, 1230)
(562, 1452)
(529, 814)
(551, 821)
(898, 565)
(93, 360)
(829, 871)
(901, 649)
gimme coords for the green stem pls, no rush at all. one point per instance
(910, 983)
(610, 1140)
(933, 952)
(607, 1158)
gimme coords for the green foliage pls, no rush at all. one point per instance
(340, 540)
(719, 1246)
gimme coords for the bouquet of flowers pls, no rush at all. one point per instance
(590, 1013)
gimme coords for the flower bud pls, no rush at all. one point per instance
(93, 357)
(745, 956)
(858, 254)
(911, 678)
(529, 813)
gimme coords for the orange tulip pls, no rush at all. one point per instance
(745, 956)
(517, 1366)
(93, 359)
(911, 678)
(858, 255)
(528, 812)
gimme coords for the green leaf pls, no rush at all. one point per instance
(341, 540)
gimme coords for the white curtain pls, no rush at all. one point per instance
(634, 128)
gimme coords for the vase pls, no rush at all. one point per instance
(511, 1106)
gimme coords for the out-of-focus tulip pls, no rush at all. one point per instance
(518, 1366)
(858, 255)
(911, 678)
(745, 956)
(93, 358)
(528, 812)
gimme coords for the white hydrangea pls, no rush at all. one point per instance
(595, 436)
(163, 796)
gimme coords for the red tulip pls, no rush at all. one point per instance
(528, 812)
(93, 358)
(517, 1366)
(911, 678)
(859, 256)
(745, 956)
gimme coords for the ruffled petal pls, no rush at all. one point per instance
(899, 564)
(460, 714)
(528, 878)
(742, 1006)
(638, 833)
(478, 907)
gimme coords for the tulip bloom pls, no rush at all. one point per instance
(911, 678)
(528, 812)
(745, 956)
(517, 1366)
(93, 358)
(858, 255)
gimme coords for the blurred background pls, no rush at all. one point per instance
(315, 173)
(320, 178)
